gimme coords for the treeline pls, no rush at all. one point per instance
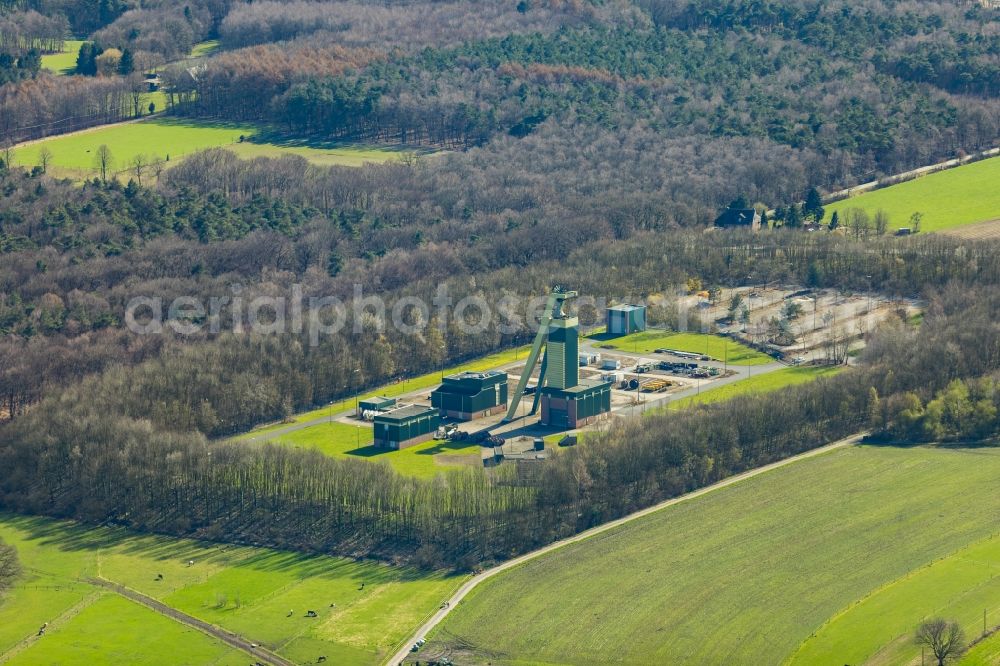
(15, 68)
(77, 456)
(239, 85)
(46, 104)
(21, 32)
(965, 410)
(10, 567)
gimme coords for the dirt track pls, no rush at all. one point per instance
(979, 231)
(233, 640)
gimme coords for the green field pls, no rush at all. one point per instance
(764, 383)
(950, 198)
(206, 48)
(741, 575)
(73, 154)
(986, 653)
(246, 590)
(339, 439)
(716, 346)
(880, 628)
(114, 630)
(63, 62)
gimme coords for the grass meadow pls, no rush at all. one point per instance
(879, 629)
(337, 439)
(715, 346)
(756, 384)
(161, 138)
(947, 199)
(985, 653)
(63, 62)
(260, 594)
(744, 574)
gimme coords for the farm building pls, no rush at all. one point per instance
(471, 395)
(376, 403)
(405, 426)
(739, 217)
(625, 319)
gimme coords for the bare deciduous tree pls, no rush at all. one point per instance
(44, 158)
(7, 149)
(138, 165)
(104, 161)
(881, 222)
(10, 568)
(945, 639)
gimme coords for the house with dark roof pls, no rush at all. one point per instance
(739, 217)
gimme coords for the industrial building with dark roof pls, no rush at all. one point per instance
(405, 426)
(577, 405)
(471, 395)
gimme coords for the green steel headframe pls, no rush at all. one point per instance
(553, 310)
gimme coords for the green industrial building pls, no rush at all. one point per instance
(575, 406)
(405, 426)
(471, 395)
(625, 319)
(376, 403)
(566, 400)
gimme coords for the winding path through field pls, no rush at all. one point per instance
(464, 590)
(233, 640)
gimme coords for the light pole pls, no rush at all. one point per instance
(357, 406)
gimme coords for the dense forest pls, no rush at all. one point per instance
(589, 144)
(88, 402)
(120, 448)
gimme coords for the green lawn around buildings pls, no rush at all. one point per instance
(337, 439)
(718, 347)
(755, 384)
